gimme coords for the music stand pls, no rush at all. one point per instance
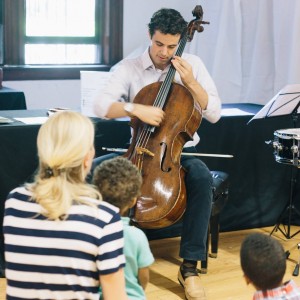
(286, 102)
(283, 103)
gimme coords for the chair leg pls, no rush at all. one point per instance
(205, 262)
(214, 231)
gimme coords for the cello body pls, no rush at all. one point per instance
(156, 152)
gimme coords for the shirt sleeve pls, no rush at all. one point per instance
(111, 244)
(212, 113)
(120, 81)
(145, 257)
(213, 110)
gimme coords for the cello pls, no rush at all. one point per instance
(156, 151)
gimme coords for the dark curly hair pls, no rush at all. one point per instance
(263, 261)
(167, 21)
(118, 180)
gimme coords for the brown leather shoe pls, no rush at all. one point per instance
(192, 287)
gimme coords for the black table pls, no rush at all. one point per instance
(258, 185)
(11, 99)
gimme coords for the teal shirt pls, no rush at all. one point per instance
(138, 255)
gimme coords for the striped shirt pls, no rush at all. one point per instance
(59, 259)
(288, 291)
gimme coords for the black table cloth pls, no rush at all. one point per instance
(11, 99)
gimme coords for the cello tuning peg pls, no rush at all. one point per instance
(200, 28)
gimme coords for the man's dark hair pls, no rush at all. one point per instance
(263, 261)
(167, 21)
(118, 180)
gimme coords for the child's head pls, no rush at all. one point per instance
(263, 261)
(119, 182)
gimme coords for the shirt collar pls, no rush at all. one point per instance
(286, 289)
(125, 220)
(146, 60)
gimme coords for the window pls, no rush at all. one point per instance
(54, 39)
(61, 32)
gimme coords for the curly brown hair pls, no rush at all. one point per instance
(167, 21)
(118, 180)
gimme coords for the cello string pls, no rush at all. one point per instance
(163, 92)
(160, 100)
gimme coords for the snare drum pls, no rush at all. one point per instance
(286, 146)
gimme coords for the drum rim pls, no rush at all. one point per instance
(286, 135)
(286, 161)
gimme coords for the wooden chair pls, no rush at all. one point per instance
(220, 197)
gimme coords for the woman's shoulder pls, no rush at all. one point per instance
(109, 207)
(20, 192)
(100, 205)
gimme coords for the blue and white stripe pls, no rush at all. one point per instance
(59, 259)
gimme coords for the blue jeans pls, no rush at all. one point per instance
(198, 181)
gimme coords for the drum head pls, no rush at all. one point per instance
(288, 133)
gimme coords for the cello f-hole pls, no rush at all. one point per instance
(163, 157)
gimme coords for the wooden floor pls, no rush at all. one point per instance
(224, 279)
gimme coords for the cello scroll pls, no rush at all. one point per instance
(196, 24)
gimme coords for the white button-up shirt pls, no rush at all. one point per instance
(131, 75)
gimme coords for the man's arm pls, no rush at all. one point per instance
(148, 114)
(186, 74)
(200, 85)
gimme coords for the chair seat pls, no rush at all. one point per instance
(220, 191)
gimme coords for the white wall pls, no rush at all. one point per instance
(48, 93)
(66, 93)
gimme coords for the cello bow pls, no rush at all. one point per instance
(123, 150)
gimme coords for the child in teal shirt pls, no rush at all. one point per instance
(119, 182)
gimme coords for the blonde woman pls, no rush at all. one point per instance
(61, 241)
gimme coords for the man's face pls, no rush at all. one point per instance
(162, 49)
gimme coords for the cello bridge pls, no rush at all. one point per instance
(141, 150)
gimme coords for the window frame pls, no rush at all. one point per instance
(110, 14)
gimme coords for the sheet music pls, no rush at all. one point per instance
(283, 103)
(91, 83)
(32, 120)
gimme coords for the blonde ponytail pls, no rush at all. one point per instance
(63, 142)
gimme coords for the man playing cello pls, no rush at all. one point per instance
(166, 29)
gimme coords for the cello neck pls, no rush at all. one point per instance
(166, 85)
(194, 25)
(179, 52)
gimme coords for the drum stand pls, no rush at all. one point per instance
(289, 208)
(287, 254)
